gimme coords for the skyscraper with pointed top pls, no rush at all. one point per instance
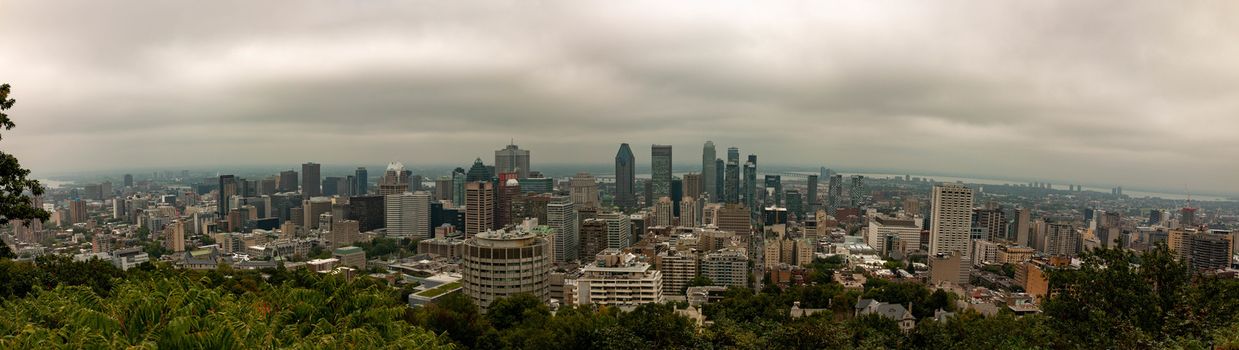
(708, 181)
(512, 159)
(625, 178)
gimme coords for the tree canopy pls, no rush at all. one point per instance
(15, 186)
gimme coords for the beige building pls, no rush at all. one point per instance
(584, 190)
(350, 256)
(617, 278)
(954, 268)
(726, 267)
(951, 222)
(479, 207)
(678, 269)
(498, 264)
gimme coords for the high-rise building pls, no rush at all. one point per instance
(408, 215)
(479, 207)
(312, 210)
(731, 182)
(664, 212)
(660, 170)
(858, 191)
(561, 216)
(834, 194)
(720, 168)
(625, 178)
(584, 190)
(951, 220)
(619, 230)
(708, 176)
(176, 236)
(726, 267)
(1062, 239)
(678, 270)
(311, 180)
(227, 188)
(498, 264)
(690, 212)
(1109, 228)
(361, 178)
(508, 193)
(288, 181)
(394, 181)
(991, 223)
(884, 230)
(512, 159)
(734, 218)
(369, 211)
(332, 186)
(811, 201)
(593, 236)
(1023, 225)
(478, 172)
(1211, 250)
(458, 187)
(750, 182)
(128, 180)
(617, 278)
(795, 204)
(692, 185)
(774, 190)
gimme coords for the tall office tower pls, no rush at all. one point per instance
(362, 180)
(443, 188)
(1109, 228)
(1187, 216)
(584, 190)
(619, 230)
(692, 185)
(1023, 223)
(128, 180)
(458, 187)
(331, 186)
(267, 186)
(288, 181)
(1210, 251)
(660, 170)
(708, 176)
(561, 216)
(593, 236)
(811, 201)
(734, 218)
(750, 182)
(991, 223)
(720, 168)
(733, 154)
(664, 212)
(479, 207)
(512, 159)
(858, 191)
(227, 188)
(731, 182)
(312, 209)
(1155, 217)
(499, 264)
(369, 212)
(478, 172)
(401, 215)
(690, 212)
(795, 204)
(834, 193)
(774, 188)
(625, 178)
(508, 192)
(394, 181)
(951, 220)
(311, 180)
(824, 172)
(1062, 239)
(176, 236)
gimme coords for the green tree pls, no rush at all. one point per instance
(15, 204)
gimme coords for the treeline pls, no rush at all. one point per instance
(1115, 300)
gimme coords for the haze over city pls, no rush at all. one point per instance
(1114, 93)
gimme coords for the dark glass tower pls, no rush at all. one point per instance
(363, 181)
(660, 171)
(625, 177)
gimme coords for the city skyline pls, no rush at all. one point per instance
(1030, 91)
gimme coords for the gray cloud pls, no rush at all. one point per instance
(1140, 94)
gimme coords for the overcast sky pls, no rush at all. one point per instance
(1140, 94)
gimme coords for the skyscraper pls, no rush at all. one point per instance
(408, 215)
(858, 191)
(625, 177)
(311, 180)
(478, 172)
(834, 193)
(128, 180)
(512, 159)
(479, 207)
(951, 220)
(288, 181)
(774, 186)
(708, 171)
(227, 188)
(584, 190)
(692, 185)
(362, 180)
(395, 180)
(1023, 225)
(750, 183)
(458, 187)
(660, 170)
(720, 168)
(561, 216)
(811, 195)
(731, 180)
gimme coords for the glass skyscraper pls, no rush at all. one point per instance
(660, 171)
(625, 178)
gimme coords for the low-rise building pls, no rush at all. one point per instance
(616, 278)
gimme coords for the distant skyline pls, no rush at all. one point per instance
(1139, 94)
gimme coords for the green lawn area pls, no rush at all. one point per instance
(437, 291)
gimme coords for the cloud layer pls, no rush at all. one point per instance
(1132, 93)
